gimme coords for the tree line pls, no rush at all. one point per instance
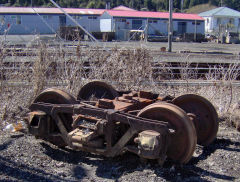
(150, 5)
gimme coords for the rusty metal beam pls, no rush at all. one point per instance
(119, 146)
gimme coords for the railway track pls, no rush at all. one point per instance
(165, 72)
(164, 65)
(159, 83)
(71, 50)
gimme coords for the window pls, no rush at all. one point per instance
(121, 20)
(136, 24)
(198, 23)
(19, 20)
(76, 17)
(152, 21)
(207, 20)
(218, 21)
(47, 17)
(92, 17)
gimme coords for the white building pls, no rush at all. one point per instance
(121, 22)
(221, 19)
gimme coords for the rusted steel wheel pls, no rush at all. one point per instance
(206, 120)
(56, 96)
(183, 138)
(96, 90)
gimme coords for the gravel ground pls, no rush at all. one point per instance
(23, 158)
(176, 46)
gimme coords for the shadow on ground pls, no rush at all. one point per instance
(13, 171)
(114, 168)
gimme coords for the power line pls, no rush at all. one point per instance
(182, 6)
(73, 20)
(47, 24)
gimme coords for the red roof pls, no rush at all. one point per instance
(125, 12)
(123, 8)
(149, 14)
(28, 10)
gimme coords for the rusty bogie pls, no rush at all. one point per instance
(138, 122)
(100, 136)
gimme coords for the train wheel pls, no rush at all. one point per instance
(96, 90)
(206, 120)
(56, 96)
(183, 137)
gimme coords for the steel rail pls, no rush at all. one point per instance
(156, 55)
(158, 83)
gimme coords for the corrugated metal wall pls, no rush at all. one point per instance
(155, 26)
(33, 24)
(29, 24)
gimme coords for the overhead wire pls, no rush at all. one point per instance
(73, 20)
(44, 21)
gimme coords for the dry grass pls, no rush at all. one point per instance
(126, 70)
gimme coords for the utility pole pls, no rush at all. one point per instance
(195, 31)
(146, 31)
(170, 25)
(181, 6)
